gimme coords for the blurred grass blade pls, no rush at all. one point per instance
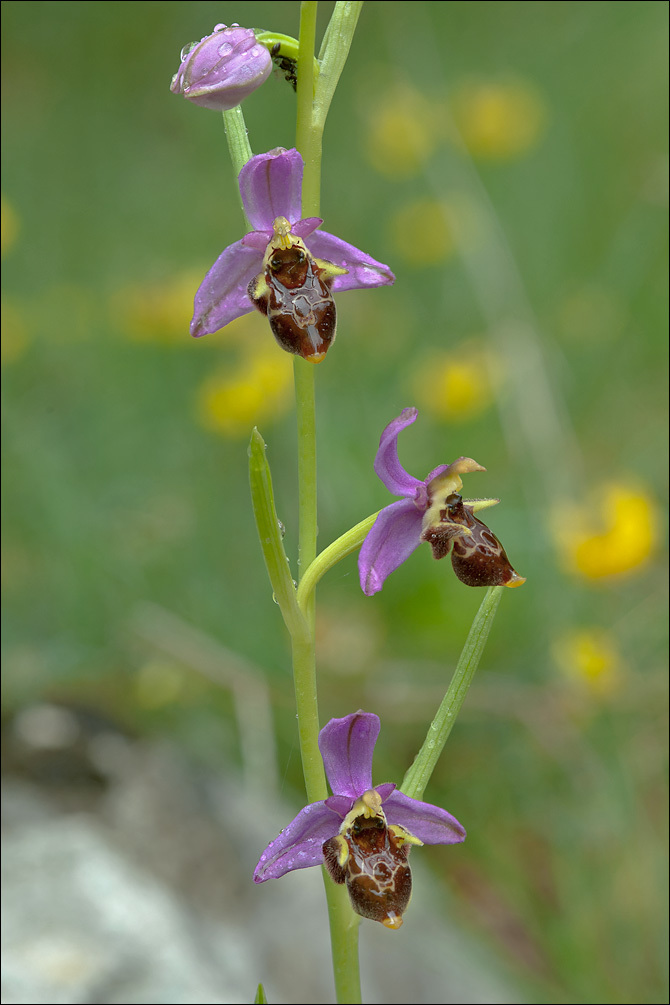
(267, 525)
(260, 998)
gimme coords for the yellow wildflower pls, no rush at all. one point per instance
(422, 231)
(498, 121)
(400, 132)
(159, 311)
(458, 385)
(621, 538)
(158, 683)
(589, 657)
(260, 388)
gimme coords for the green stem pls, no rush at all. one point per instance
(343, 922)
(418, 776)
(238, 144)
(333, 55)
(344, 927)
(329, 557)
(308, 139)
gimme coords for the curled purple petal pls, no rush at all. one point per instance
(299, 845)
(387, 465)
(346, 747)
(363, 271)
(395, 534)
(271, 186)
(428, 823)
(222, 295)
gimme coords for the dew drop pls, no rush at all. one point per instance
(187, 48)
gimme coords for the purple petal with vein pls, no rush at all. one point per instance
(222, 295)
(363, 270)
(346, 747)
(387, 466)
(395, 534)
(429, 823)
(271, 186)
(299, 845)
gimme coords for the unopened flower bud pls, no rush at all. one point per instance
(222, 69)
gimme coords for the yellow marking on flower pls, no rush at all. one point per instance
(404, 836)
(400, 132)
(459, 385)
(620, 538)
(393, 921)
(282, 233)
(342, 850)
(157, 312)
(9, 226)
(422, 231)
(590, 658)
(499, 120)
(258, 390)
(15, 336)
(368, 805)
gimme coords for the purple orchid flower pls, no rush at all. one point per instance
(431, 510)
(271, 189)
(362, 834)
(222, 69)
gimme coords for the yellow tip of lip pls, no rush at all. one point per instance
(394, 922)
(315, 357)
(516, 581)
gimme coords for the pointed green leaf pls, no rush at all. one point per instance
(269, 534)
(418, 775)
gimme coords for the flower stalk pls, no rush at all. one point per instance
(417, 777)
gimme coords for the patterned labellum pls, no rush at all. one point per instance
(371, 858)
(477, 556)
(293, 291)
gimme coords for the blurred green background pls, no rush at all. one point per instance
(508, 161)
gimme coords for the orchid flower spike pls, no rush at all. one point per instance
(286, 267)
(431, 510)
(363, 835)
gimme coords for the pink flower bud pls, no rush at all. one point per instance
(222, 69)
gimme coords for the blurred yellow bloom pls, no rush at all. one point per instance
(157, 312)
(15, 338)
(590, 658)
(9, 225)
(158, 683)
(615, 536)
(458, 385)
(422, 231)
(498, 121)
(400, 132)
(259, 389)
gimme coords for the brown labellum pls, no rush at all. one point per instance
(372, 859)
(477, 555)
(293, 292)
